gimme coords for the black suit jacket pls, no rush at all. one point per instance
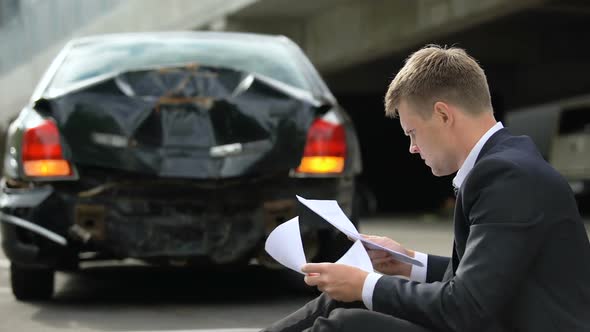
(521, 257)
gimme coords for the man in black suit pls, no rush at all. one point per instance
(521, 257)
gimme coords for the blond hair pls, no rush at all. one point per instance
(435, 74)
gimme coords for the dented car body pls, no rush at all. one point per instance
(170, 148)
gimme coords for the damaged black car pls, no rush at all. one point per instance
(181, 149)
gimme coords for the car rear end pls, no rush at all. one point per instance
(176, 164)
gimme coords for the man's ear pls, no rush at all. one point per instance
(443, 112)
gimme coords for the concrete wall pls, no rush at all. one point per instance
(28, 27)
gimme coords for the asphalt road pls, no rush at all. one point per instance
(140, 298)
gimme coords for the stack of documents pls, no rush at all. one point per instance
(285, 246)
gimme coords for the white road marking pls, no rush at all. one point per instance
(4, 263)
(5, 290)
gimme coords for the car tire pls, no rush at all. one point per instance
(31, 284)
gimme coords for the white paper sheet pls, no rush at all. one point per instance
(285, 246)
(357, 256)
(330, 211)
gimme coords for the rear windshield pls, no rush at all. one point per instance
(91, 59)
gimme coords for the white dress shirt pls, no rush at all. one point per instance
(419, 273)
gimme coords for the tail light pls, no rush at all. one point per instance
(42, 152)
(325, 150)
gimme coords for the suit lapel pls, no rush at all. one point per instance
(460, 231)
(461, 220)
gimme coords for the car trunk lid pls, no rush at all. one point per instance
(190, 121)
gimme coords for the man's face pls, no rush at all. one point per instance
(429, 137)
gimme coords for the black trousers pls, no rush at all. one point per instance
(326, 315)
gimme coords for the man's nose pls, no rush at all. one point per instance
(414, 148)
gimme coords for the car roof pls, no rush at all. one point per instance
(254, 37)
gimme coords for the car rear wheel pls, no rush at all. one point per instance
(31, 284)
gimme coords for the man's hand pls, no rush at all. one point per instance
(382, 260)
(340, 282)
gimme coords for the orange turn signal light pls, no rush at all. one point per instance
(321, 165)
(47, 168)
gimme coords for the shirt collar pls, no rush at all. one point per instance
(472, 156)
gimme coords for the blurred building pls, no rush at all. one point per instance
(533, 51)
